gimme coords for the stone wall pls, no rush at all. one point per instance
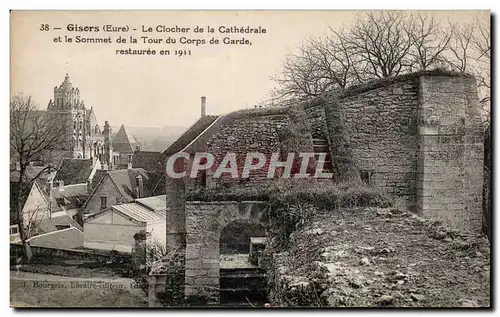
(288, 132)
(204, 222)
(316, 118)
(450, 163)
(380, 129)
(98, 256)
(417, 137)
(244, 135)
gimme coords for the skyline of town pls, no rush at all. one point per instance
(161, 91)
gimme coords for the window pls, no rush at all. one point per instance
(13, 230)
(130, 158)
(366, 176)
(103, 202)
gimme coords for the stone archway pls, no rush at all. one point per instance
(235, 237)
(204, 222)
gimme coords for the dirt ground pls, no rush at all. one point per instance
(44, 290)
(385, 257)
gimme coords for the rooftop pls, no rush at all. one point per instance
(74, 171)
(30, 173)
(124, 143)
(148, 160)
(192, 133)
(140, 213)
(156, 203)
(125, 180)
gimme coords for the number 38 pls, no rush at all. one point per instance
(44, 27)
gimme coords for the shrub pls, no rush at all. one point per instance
(290, 202)
(322, 195)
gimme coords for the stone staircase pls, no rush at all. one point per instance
(242, 287)
(320, 145)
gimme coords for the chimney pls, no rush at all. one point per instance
(140, 186)
(61, 186)
(129, 165)
(89, 186)
(203, 106)
(48, 185)
(175, 189)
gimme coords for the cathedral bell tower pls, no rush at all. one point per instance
(70, 110)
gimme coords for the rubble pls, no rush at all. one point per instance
(399, 263)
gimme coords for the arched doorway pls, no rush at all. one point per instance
(241, 281)
(205, 222)
(235, 237)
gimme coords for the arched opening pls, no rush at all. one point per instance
(241, 279)
(235, 237)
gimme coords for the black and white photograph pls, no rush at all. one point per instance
(250, 159)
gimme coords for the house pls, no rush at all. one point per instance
(14, 234)
(53, 202)
(68, 185)
(119, 187)
(123, 148)
(32, 172)
(72, 184)
(43, 214)
(114, 228)
(70, 198)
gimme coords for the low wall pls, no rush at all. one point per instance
(70, 238)
(71, 254)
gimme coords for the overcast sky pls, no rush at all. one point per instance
(158, 90)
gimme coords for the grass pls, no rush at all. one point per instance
(255, 112)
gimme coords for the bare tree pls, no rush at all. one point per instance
(34, 136)
(32, 220)
(385, 44)
(336, 61)
(381, 42)
(460, 48)
(470, 52)
(320, 66)
(429, 41)
(378, 45)
(482, 46)
(302, 76)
